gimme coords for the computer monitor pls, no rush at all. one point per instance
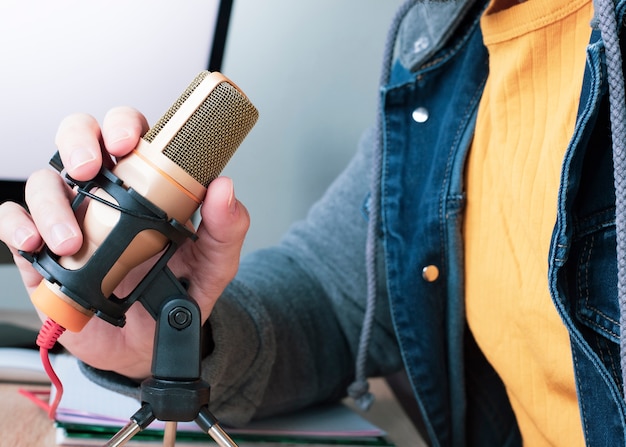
(61, 57)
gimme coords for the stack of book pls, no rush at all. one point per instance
(90, 415)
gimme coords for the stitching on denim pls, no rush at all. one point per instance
(603, 346)
(581, 402)
(600, 351)
(603, 351)
(583, 289)
(588, 295)
(613, 390)
(595, 222)
(584, 267)
(561, 247)
(594, 93)
(598, 326)
(455, 142)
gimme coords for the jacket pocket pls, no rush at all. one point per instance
(593, 285)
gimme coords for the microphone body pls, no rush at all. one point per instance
(171, 168)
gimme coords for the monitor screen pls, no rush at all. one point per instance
(64, 56)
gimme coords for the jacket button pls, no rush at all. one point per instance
(420, 115)
(430, 273)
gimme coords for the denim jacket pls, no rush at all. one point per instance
(423, 198)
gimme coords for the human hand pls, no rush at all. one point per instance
(209, 264)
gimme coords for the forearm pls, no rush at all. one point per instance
(262, 365)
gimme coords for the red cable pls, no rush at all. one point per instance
(48, 335)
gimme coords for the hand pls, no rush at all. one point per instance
(209, 264)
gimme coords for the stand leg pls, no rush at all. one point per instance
(207, 422)
(124, 435)
(169, 436)
(140, 420)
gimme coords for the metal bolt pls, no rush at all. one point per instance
(179, 318)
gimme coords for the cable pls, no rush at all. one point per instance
(48, 335)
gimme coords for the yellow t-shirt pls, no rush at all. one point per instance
(525, 121)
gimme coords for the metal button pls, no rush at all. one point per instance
(430, 273)
(420, 115)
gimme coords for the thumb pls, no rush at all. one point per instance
(212, 261)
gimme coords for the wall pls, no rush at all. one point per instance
(312, 69)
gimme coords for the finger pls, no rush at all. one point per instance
(17, 230)
(224, 219)
(121, 129)
(78, 140)
(48, 198)
(212, 261)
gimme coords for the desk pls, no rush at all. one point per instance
(23, 424)
(387, 414)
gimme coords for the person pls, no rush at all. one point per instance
(472, 240)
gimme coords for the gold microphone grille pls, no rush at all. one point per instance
(208, 139)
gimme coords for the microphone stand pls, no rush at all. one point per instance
(175, 392)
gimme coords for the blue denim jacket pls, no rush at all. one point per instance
(422, 209)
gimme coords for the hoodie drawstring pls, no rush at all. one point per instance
(359, 389)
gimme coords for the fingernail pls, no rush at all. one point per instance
(119, 134)
(61, 233)
(80, 157)
(232, 201)
(21, 235)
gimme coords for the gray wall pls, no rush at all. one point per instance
(311, 68)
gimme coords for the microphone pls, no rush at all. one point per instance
(169, 169)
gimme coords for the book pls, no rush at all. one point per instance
(89, 414)
(22, 365)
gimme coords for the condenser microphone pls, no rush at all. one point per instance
(169, 171)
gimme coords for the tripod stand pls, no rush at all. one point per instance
(175, 392)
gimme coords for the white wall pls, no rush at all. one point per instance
(312, 69)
